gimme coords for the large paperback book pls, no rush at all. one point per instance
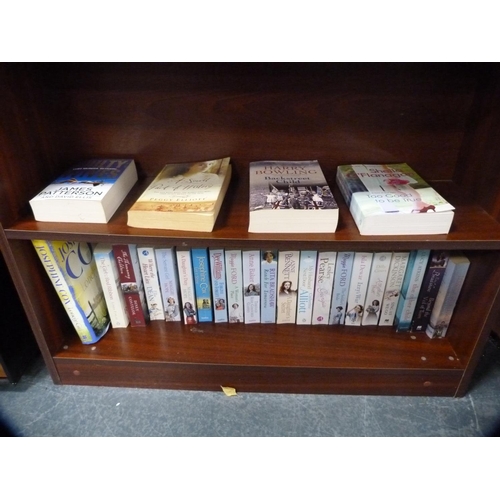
(290, 197)
(429, 289)
(251, 285)
(186, 285)
(447, 298)
(202, 284)
(395, 278)
(307, 277)
(90, 191)
(341, 284)
(110, 282)
(288, 277)
(268, 286)
(376, 287)
(129, 271)
(234, 283)
(410, 289)
(361, 266)
(152, 291)
(72, 270)
(393, 200)
(183, 196)
(219, 291)
(169, 283)
(325, 272)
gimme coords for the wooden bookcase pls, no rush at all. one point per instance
(443, 119)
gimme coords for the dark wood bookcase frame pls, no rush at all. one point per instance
(443, 119)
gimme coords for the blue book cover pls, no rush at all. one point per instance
(202, 286)
(341, 283)
(219, 289)
(412, 282)
(90, 191)
(269, 286)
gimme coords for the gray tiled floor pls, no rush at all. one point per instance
(37, 407)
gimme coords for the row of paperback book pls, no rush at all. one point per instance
(128, 284)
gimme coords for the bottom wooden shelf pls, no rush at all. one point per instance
(265, 358)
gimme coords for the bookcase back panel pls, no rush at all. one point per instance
(335, 113)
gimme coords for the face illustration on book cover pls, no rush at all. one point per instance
(235, 315)
(171, 309)
(190, 313)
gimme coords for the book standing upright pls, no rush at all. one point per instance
(202, 284)
(149, 273)
(392, 292)
(307, 277)
(186, 285)
(169, 282)
(341, 284)
(251, 285)
(269, 286)
(234, 282)
(447, 297)
(110, 282)
(325, 272)
(376, 287)
(360, 276)
(288, 277)
(410, 289)
(219, 291)
(131, 283)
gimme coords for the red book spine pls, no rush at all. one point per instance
(131, 283)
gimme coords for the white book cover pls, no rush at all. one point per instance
(447, 297)
(169, 283)
(392, 292)
(325, 272)
(219, 292)
(288, 277)
(149, 272)
(234, 283)
(186, 285)
(110, 281)
(307, 278)
(268, 286)
(376, 287)
(342, 280)
(251, 284)
(358, 287)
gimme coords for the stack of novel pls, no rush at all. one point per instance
(183, 196)
(290, 197)
(393, 200)
(91, 191)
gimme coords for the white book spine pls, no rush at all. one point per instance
(219, 292)
(342, 281)
(307, 277)
(234, 282)
(251, 283)
(358, 287)
(268, 286)
(325, 272)
(392, 292)
(110, 281)
(288, 276)
(149, 273)
(186, 285)
(376, 287)
(169, 283)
